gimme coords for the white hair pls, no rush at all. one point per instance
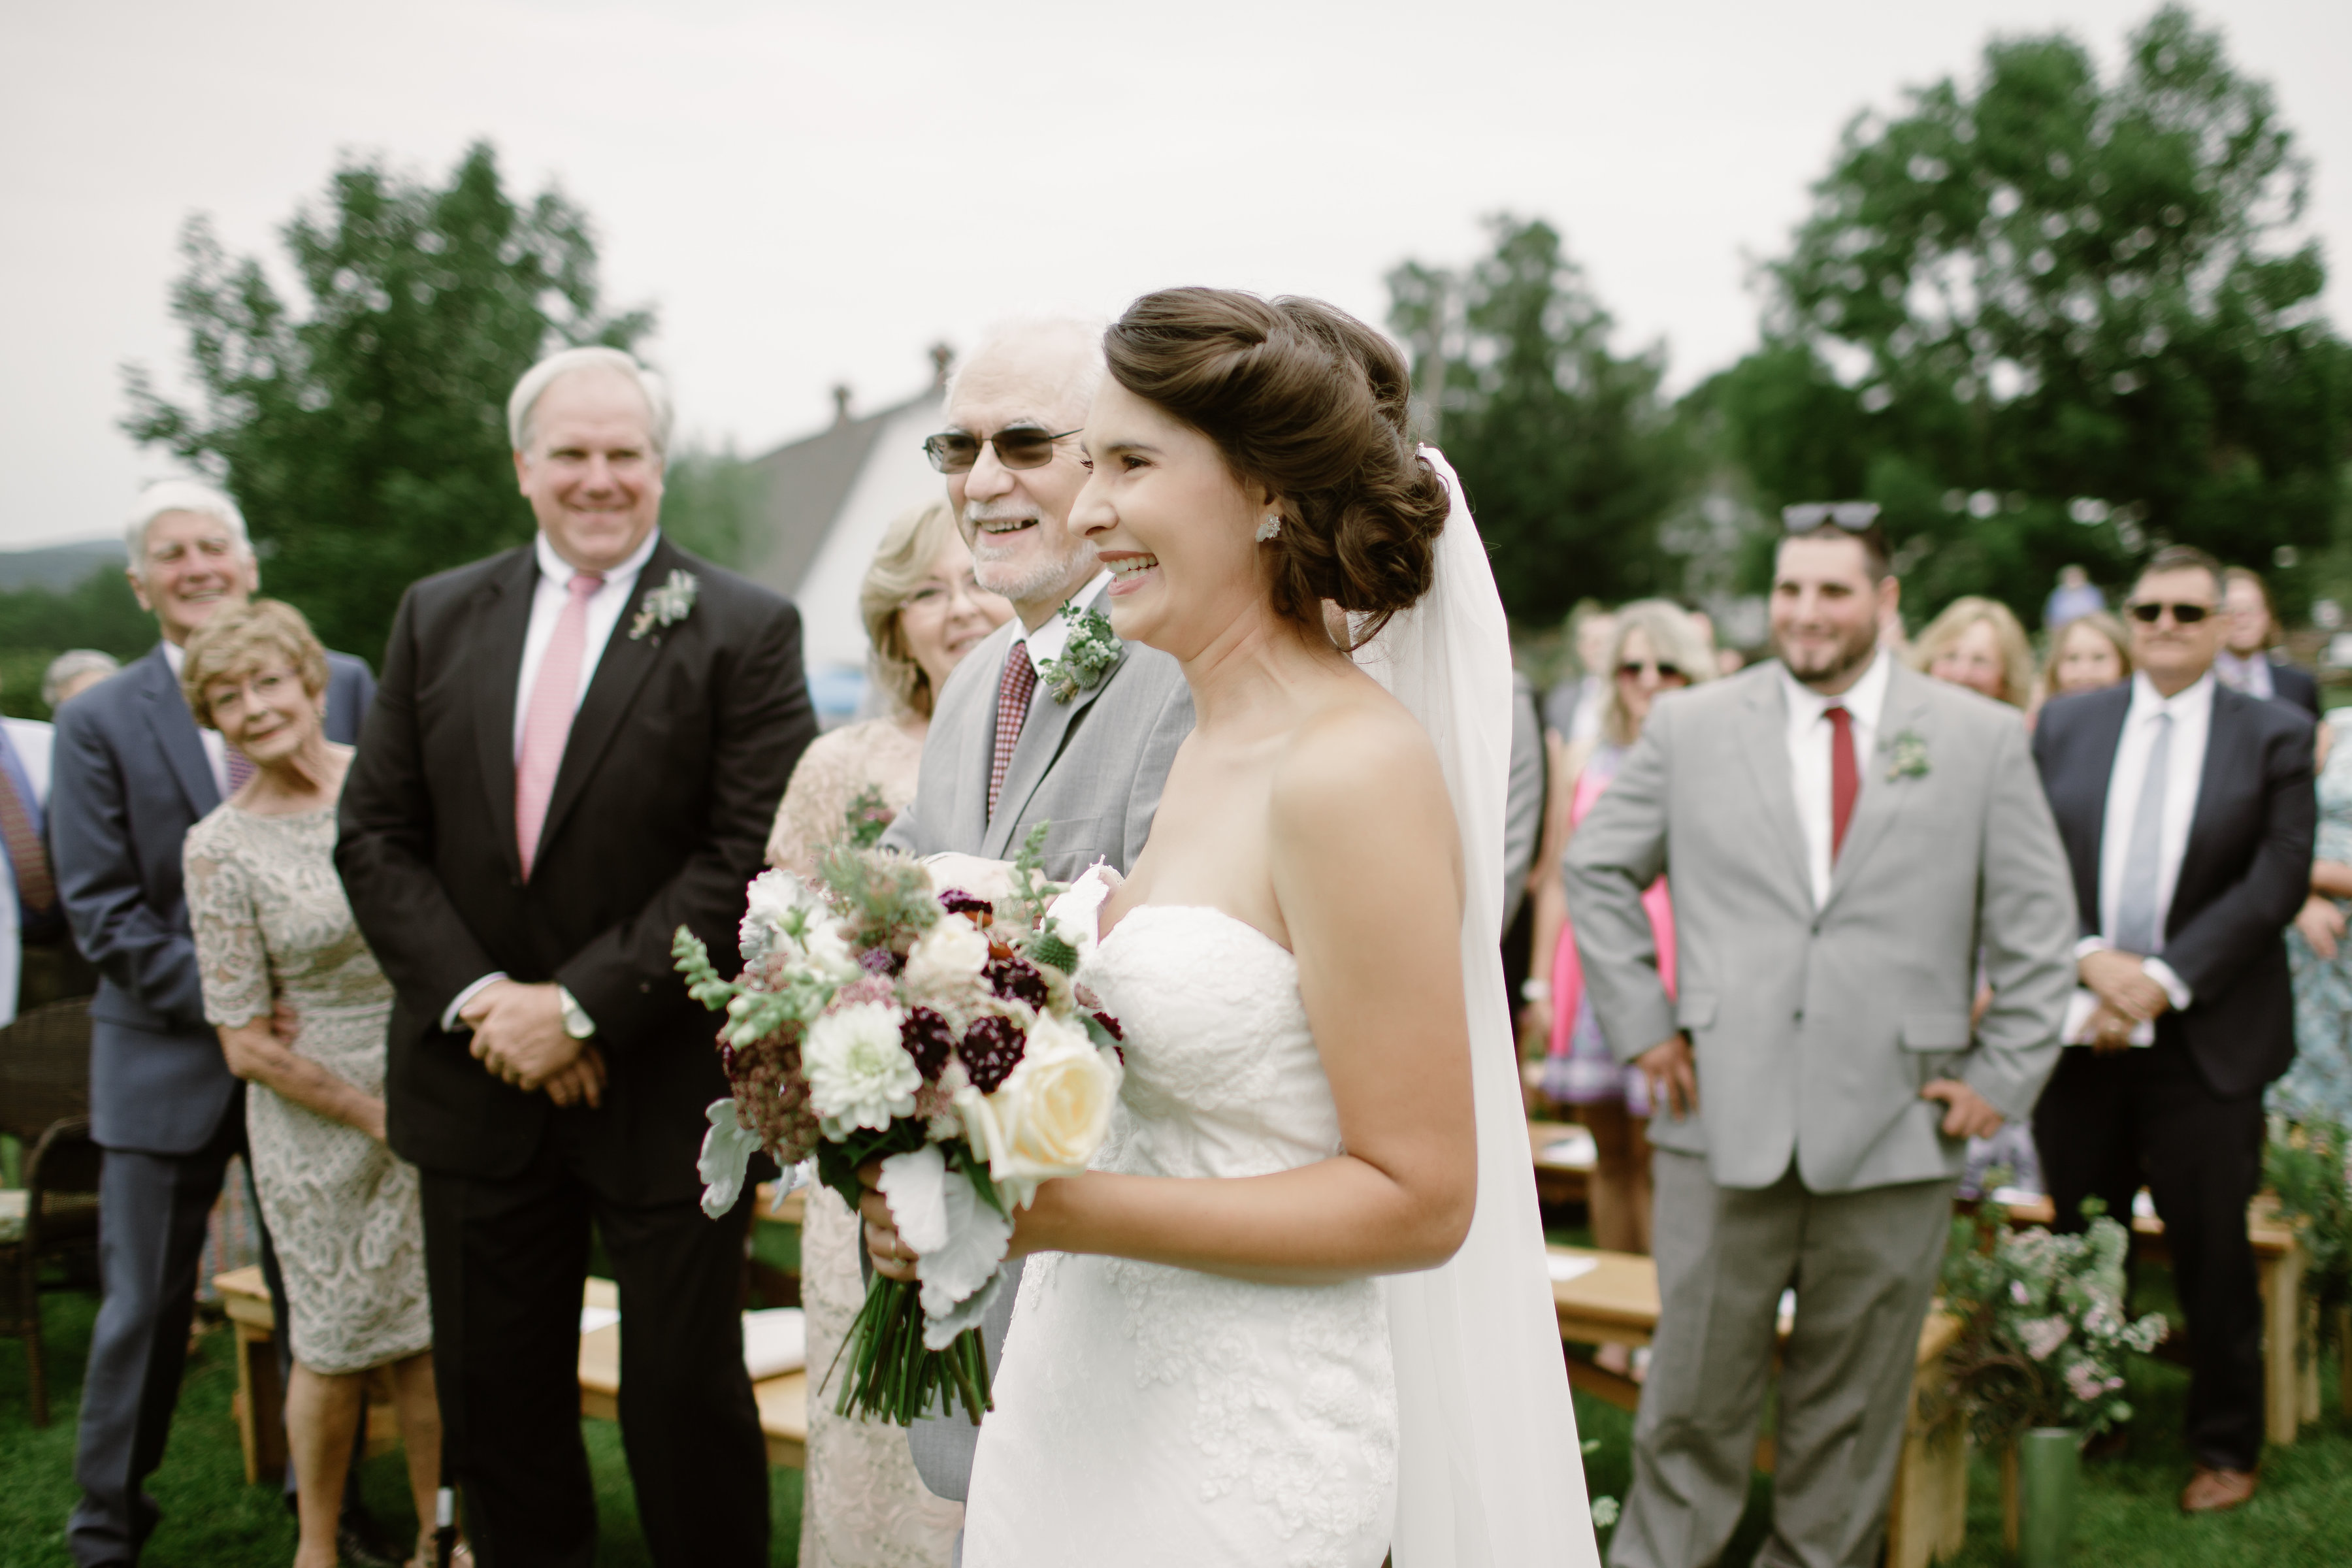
(71, 665)
(1081, 336)
(556, 366)
(180, 495)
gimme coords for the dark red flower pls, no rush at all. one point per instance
(928, 1040)
(1110, 1025)
(1016, 978)
(992, 1049)
(880, 961)
(956, 902)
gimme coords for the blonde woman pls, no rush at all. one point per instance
(862, 1506)
(275, 935)
(1659, 647)
(2087, 653)
(1978, 644)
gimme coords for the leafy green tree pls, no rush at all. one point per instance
(1570, 457)
(366, 439)
(2052, 319)
(710, 502)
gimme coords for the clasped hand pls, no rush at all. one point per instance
(1673, 1074)
(2129, 996)
(519, 1039)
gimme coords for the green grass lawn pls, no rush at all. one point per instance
(2302, 1516)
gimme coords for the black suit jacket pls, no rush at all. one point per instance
(2294, 687)
(128, 778)
(670, 776)
(2245, 873)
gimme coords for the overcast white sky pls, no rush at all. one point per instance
(813, 194)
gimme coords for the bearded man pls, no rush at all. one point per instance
(1848, 840)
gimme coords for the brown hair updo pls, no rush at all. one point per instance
(1304, 399)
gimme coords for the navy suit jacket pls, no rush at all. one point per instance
(2246, 871)
(129, 778)
(2294, 687)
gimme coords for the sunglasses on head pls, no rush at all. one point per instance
(1633, 669)
(2150, 612)
(1854, 516)
(955, 451)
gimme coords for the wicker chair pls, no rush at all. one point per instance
(45, 1102)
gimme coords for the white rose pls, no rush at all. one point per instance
(1049, 1118)
(770, 906)
(829, 953)
(858, 1073)
(945, 963)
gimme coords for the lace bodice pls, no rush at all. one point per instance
(1196, 1418)
(271, 920)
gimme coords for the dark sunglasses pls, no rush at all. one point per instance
(2182, 614)
(1632, 667)
(1854, 516)
(954, 451)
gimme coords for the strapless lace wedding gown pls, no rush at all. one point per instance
(1147, 1415)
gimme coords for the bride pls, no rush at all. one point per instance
(1298, 1312)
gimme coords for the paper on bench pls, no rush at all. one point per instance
(1566, 1267)
(775, 1341)
(1572, 1148)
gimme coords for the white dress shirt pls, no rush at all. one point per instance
(1810, 737)
(2192, 723)
(547, 601)
(2251, 675)
(1048, 640)
(548, 597)
(216, 744)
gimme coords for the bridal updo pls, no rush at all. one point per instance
(1307, 401)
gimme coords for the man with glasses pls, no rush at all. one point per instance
(1850, 840)
(1085, 753)
(2187, 814)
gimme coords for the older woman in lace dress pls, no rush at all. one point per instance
(863, 1506)
(276, 939)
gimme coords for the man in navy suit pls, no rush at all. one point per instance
(131, 774)
(2187, 811)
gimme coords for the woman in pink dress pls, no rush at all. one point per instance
(1659, 648)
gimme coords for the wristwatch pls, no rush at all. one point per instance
(576, 1021)
(1534, 989)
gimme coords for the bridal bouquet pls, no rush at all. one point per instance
(880, 1018)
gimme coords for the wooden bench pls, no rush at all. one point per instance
(260, 1402)
(1614, 1300)
(1563, 1176)
(2290, 1392)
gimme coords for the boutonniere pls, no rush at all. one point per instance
(1907, 756)
(1087, 658)
(666, 605)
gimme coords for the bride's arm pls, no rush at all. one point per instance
(1366, 866)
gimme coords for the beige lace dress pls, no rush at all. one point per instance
(862, 1505)
(271, 921)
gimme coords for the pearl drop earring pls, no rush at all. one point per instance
(1270, 527)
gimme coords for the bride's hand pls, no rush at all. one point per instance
(893, 1258)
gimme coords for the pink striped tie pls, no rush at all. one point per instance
(547, 723)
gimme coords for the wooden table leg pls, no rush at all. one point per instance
(2282, 1290)
(260, 1406)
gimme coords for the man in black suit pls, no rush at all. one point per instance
(2187, 815)
(577, 749)
(131, 774)
(2248, 628)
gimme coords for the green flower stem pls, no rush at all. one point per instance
(893, 1376)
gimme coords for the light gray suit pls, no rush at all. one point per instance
(1813, 1163)
(1092, 768)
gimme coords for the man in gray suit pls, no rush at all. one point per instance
(1008, 750)
(132, 774)
(1846, 841)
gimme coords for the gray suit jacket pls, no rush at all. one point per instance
(1093, 768)
(1815, 1029)
(129, 778)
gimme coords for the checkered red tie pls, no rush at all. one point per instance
(1013, 693)
(37, 889)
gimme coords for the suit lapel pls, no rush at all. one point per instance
(504, 621)
(177, 734)
(1882, 799)
(1765, 749)
(1049, 726)
(626, 661)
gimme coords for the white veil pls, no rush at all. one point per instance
(1489, 1471)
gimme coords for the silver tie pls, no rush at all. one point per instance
(2136, 927)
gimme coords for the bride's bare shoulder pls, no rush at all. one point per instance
(1360, 757)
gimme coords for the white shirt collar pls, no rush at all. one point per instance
(1049, 639)
(175, 656)
(1863, 699)
(2197, 697)
(558, 570)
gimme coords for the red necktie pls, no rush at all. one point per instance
(1845, 781)
(547, 722)
(1013, 693)
(37, 889)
